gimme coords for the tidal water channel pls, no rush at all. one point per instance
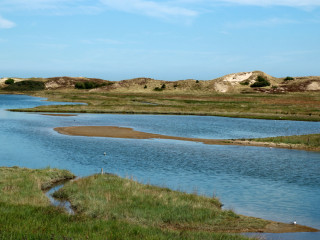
(276, 184)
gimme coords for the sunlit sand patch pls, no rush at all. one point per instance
(59, 114)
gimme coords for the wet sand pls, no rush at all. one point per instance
(59, 114)
(121, 132)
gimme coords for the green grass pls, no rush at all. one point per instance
(39, 223)
(111, 197)
(311, 141)
(291, 106)
(25, 212)
(24, 186)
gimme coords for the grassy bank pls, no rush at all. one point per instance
(37, 223)
(25, 186)
(308, 142)
(289, 106)
(25, 212)
(112, 197)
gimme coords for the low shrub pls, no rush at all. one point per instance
(288, 78)
(9, 81)
(90, 85)
(245, 83)
(260, 82)
(27, 85)
(157, 89)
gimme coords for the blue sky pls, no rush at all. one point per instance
(169, 40)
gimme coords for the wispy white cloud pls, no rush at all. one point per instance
(262, 23)
(288, 3)
(33, 4)
(4, 23)
(64, 7)
(162, 9)
(150, 8)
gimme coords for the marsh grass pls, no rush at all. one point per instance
(24, 186)
(39, 223)
(113, 198)
(26, 214)
(311, 140)
(291, 106)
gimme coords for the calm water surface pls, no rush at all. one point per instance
(276, 184)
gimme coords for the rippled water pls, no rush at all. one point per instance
(276, 184)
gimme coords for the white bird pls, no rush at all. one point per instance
(294, 222)
(104, 153)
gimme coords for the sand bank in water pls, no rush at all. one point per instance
(59, 114)
(121, 132)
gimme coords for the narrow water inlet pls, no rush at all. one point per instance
(58, 202)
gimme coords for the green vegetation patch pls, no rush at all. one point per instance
(112, 197)
(163, 87)
(289, 106)
(288, 78)
(27, 85)
(24, 186)
(245, 83)
(310, 141)
(38, 223)
(25, 212)
(9, 81)
(260, 82)
(90, 85)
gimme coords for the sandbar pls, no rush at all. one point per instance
(123, 132)
(59, 114)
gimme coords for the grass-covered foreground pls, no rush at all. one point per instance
(110, 207)
(22, 186)
(112, 197)
(25, 212)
